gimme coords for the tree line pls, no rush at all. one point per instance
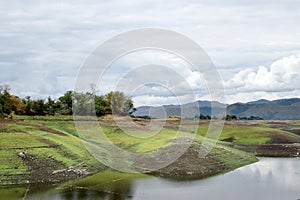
(228, 117)
(67, 104)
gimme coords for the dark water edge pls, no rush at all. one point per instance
(270, 178)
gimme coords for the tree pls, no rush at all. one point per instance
(52, 106)
(203, 117)
(83, 103)
(28, 109)
(38, 107)
(230, 117)
(119, 103)
(5, 101)
(101, 105)
(66, 103)
(18, 106)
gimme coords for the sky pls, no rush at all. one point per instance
(254, 45)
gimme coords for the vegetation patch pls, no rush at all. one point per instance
(49, 151)
(220, 160)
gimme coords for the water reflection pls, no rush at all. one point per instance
(81, 193)
(281, 172)
(271, 178)
(108, 185)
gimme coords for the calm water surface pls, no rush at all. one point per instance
(271, 178)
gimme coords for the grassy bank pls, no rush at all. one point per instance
(48, 149)
(31, 153)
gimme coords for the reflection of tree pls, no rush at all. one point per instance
(36, 188)
(119, 190)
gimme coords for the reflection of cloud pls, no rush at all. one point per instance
(281, 172)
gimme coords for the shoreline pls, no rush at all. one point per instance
(52, 154)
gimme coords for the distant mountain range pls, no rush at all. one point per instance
(282, 109)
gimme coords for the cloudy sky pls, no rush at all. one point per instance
(255, 45)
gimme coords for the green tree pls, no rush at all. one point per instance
(66, 103)
(51, 106)
(119, 103)
(230, 117)
(101, 105)
(203, 117)
(5, 101)
(83, 103)
(38, 107)
(28, 109)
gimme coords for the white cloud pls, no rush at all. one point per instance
(281, 79)
(158, 75)
(44, 43)
(162, 100)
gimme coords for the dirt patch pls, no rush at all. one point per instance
(295, 131)
(41, 169)
(230, 139)
(187, 168)
(272, 150)
(4, 128)
(278, 124)
(4, 121)
(280, 138)
(143, 124)
(191, 166)
(46, 169)
(41, 127)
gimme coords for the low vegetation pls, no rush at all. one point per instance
(48, 149)
(36, 140)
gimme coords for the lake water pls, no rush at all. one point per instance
(270, 178)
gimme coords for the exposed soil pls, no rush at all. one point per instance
(41, 127)
(191, 166)
(277, 138)
(230, 139)
(143, 124)
(45, 169)
(295, 131)
(271, 150)
(41, 169)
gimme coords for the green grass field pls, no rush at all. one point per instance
(56, 138)
(66, 149)
(258, 132)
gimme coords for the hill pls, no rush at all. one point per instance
(282, 109)
(189, 110)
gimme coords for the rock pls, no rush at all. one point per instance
(81, 172)
(58, 171)
(22, 154)
(71, 169)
